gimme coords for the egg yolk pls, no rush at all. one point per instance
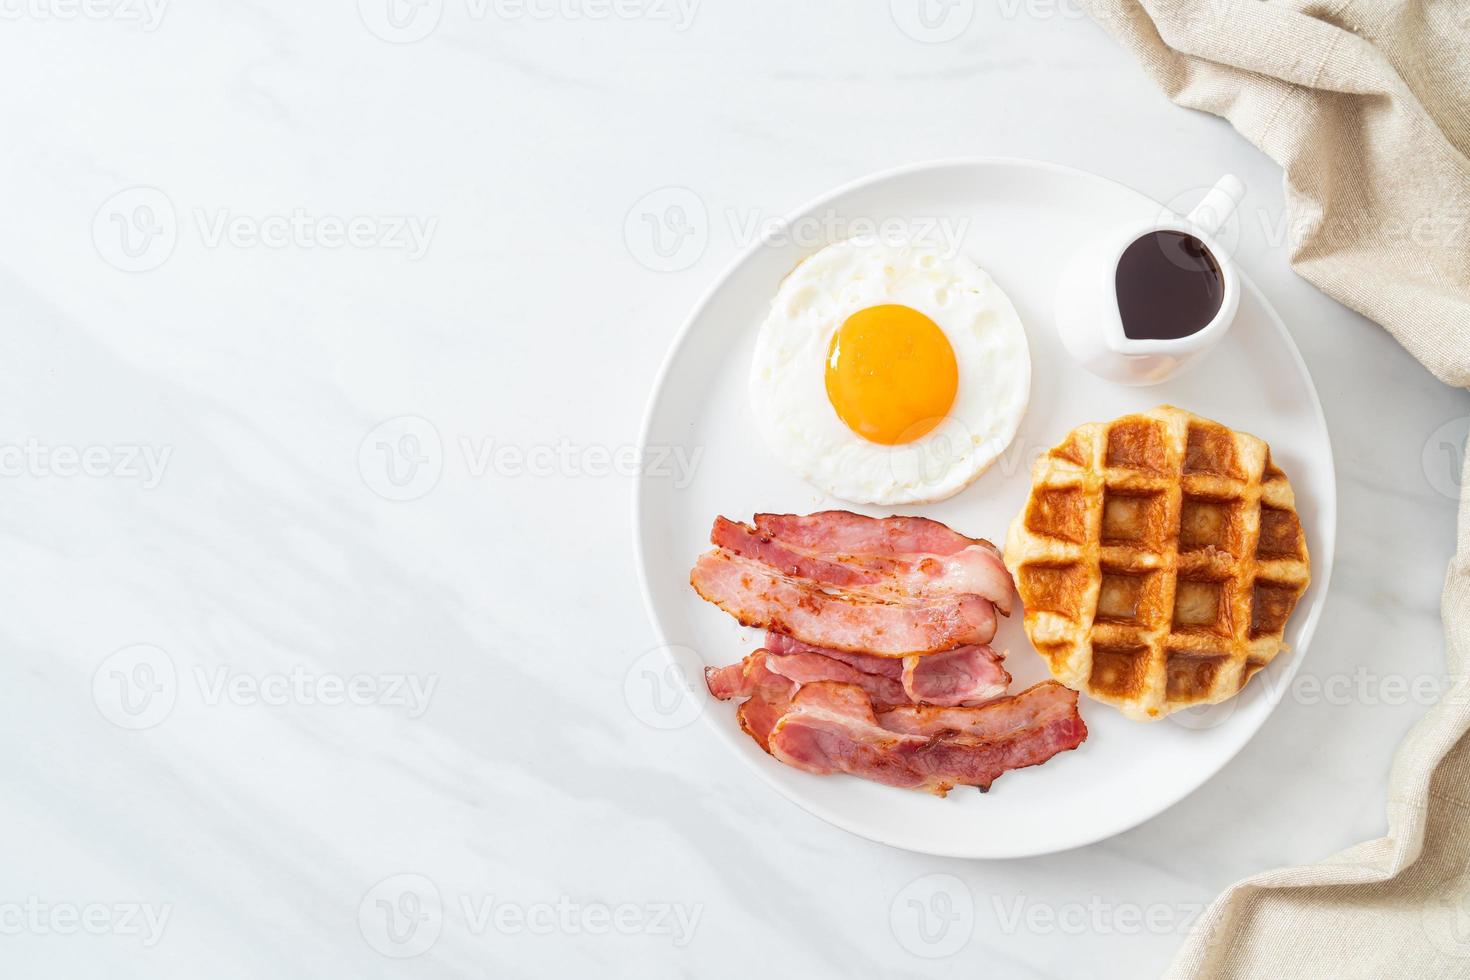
(891, 374)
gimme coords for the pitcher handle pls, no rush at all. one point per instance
(1216, 207)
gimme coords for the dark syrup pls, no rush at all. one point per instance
(1169, 286)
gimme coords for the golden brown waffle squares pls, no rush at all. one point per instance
(1158, 557)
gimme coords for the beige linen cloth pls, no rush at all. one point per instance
(1366, 106)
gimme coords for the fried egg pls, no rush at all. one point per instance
(889, 373)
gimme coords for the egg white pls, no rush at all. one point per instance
(788, 382)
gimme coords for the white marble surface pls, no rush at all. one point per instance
(182, 470)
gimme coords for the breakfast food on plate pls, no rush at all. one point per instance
(1158, 558)
(876, 662)
(895, 586)
(758, 595)
(824, 724)
(832, 728)
(895, 555)
(965, 675)
(889, 373)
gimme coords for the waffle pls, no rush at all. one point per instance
(1158, 556)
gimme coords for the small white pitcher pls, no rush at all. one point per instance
(1087, 314)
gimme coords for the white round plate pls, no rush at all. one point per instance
(1019, 219)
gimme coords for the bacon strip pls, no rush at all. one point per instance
(966, 676)
(830, 727)
(780, 643)
(784, 673)
(748, 542)
(745, 678)
(768, 694)
(757, 595)
(858, 554)
(758, 715)
(844, 532)
(1035, 706)
(810, 668)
